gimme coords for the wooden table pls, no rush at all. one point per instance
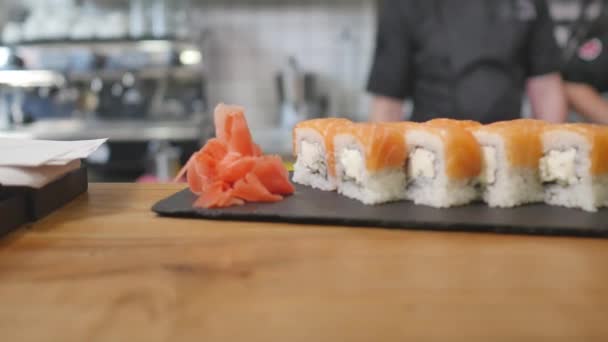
(107, 269)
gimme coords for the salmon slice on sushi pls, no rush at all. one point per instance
(443, 166)
(370, 163)
(511, 152)
(574, 166)
(460, 123)
(313, 147)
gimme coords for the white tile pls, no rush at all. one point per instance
(251, 43)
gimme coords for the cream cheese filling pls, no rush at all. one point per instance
(489, 169)
(560, 167)
(353, 164)
(312, 157)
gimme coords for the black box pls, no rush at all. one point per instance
(12, 211)
(38, 203)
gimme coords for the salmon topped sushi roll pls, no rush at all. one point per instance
(370, 160)
(401, 126)
(460, 123)
(511, 152)
(574, 166)
(313, 148)
(443, 165)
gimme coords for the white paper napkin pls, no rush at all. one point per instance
(31, 153)
(35, 177)
(35, 163)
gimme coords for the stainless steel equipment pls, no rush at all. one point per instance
(298, 94)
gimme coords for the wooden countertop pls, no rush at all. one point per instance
(105, 268)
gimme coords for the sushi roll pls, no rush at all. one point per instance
(313, 148)
(460, 123)
(370, 161)
(511, 151)
(443, 165)
(574, 166)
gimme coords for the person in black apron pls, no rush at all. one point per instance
(586, 65)
(466, 59)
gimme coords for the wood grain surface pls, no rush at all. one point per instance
(107, 269)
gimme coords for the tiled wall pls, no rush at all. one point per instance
(246, 43)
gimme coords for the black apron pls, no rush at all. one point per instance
(468, 67)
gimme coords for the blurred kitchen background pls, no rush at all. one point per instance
(147, 73)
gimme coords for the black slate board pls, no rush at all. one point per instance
(310, 206)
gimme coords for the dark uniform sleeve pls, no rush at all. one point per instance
(592, 69)
(391, 71)
(543, 53)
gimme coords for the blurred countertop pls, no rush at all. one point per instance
(118, 130)
(273, 140)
